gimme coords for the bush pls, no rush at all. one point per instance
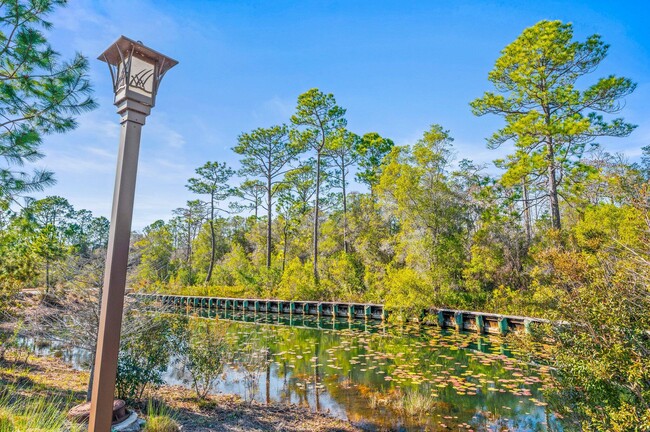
(408, 294)
(236, 269)
(343, 275)
(599, 278)
(206, 352)
(298, 282)
(143, 358)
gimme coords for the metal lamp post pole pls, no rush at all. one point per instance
(112, 303)
(136, 71)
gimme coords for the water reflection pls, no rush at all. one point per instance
(386, 377)
(380, 376)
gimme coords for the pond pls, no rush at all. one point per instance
(381, 377)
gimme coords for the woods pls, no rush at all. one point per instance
(422, 226)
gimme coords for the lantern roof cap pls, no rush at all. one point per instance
(114, 54)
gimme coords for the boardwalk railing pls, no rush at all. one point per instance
(460, 320)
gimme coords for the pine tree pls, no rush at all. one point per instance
(39, 93)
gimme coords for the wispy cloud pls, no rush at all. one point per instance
(278, 108)
(160, 130)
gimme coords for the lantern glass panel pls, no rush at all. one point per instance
(141, 76)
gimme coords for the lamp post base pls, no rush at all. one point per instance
(81, 413)
(131, 424)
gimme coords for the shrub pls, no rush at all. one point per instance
(408, 294)
(206, 352)
(298, 282)
(251, 362)
(344, 274)
(599, 278)
(143, 358)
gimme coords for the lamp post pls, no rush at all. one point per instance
(136, 72)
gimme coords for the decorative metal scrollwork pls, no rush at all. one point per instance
(140, 79)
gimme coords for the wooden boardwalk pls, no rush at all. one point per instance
(479, 322)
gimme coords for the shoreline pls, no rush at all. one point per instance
(51, 377)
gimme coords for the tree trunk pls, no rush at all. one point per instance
(212, 243)
(316, 205)
(345, 214)
(89, 390)
(268, 223)
(47, 276)
(268, 376)
(552, 186)
(189, 249)
(552, 179)
(527, 219)
(285, 246)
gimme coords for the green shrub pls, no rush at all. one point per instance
(144, 358)
(206, 352)
(408, 294)
(298, 282)
(343, 276)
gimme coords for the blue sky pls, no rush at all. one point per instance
(396, 66)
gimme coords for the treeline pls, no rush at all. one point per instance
(430, 229)
(48, 242)
(427, 233)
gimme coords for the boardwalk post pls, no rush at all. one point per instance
(527, 325)
(458, 319)
(503, 325)
(480, 324)
(441, 319)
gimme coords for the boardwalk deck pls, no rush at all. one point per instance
(480, 322)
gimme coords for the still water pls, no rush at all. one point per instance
(381, 377)
(385, 377)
